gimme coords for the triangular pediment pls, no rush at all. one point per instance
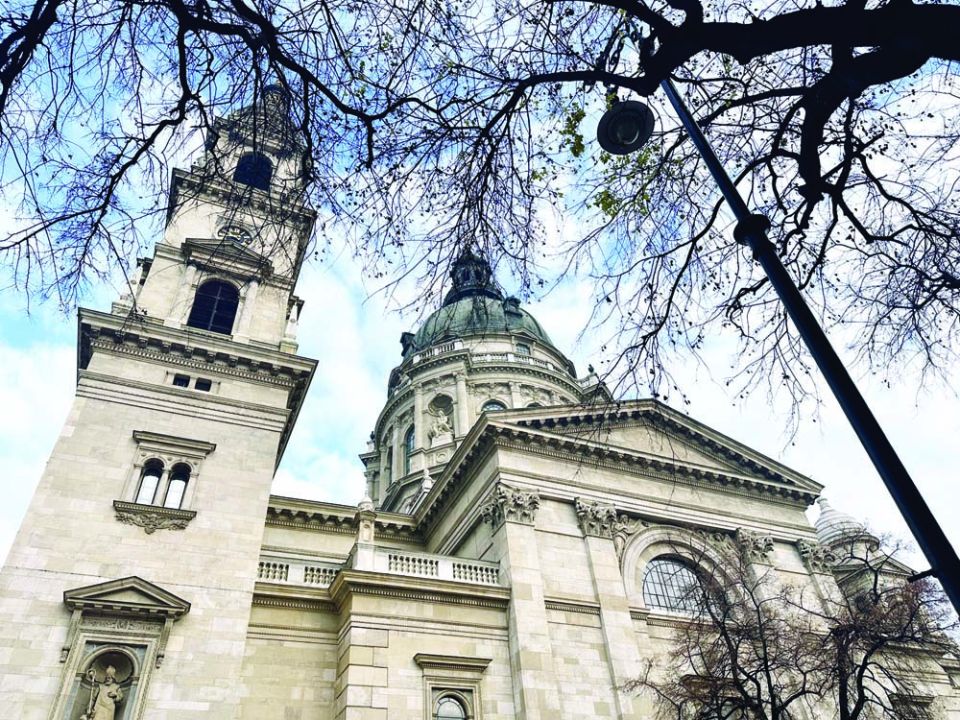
(225, 251)
(649, 428)
(127, 596)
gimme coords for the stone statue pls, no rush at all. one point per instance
(441, 430)
(104, 697)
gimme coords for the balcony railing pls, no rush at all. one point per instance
(297, 572)
(385, 560)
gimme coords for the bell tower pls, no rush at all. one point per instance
(139, 550)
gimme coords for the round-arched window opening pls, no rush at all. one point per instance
(177, 486)
(255, 170)
(493, 406)
(450, 708)
(672, 584)
(214, 307)
(149, 480)
(408, 443)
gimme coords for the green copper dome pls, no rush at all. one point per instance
(475, 306)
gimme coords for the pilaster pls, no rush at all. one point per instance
(512, 512)
(598, 522)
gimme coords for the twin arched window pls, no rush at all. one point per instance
(214, 307)
(254, 169)
(670, 583)
(171, 493)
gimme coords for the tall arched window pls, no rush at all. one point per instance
(179, 476)
(408, 441)
(149, 479)
(670, 583)
(449, 708)
(214, 307)
(255, 170)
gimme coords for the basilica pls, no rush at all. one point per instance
(517, 552)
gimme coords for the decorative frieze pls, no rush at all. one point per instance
(596, 519)
(816, 557)
(152, 517)
(509, 504)
(754, 547)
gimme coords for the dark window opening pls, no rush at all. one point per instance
(181, 380)
(203, 384)
(493, 406)
(214, 307)
(255, 170)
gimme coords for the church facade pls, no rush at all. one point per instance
(509, 561)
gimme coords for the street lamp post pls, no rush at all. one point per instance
(615, 135)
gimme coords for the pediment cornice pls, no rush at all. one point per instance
(129, 596)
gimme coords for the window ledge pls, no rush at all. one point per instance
(152, 517)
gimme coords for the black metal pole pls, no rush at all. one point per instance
(751, 230)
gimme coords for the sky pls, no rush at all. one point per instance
(355, 337)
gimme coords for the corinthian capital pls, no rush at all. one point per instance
(596, 519)
(510, 504)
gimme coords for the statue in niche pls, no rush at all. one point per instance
(441, 428)
(104, 696)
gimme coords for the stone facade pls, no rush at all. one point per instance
(496, 565)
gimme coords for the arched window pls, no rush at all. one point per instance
(177, 486)
(255, 170)
(450, 708)
(149, 479)
(671, 584)
(492, 406)
(214, 307)
(408, 441)
(235, 233)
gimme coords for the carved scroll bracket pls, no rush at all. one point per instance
(152, 517)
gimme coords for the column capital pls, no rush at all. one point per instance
(753, 546)
(596, 519)
(510, 504)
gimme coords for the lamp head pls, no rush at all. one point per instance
(625, 127)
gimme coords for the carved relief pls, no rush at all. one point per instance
(816, 557)
(511, 504)
(152, 517)
(754, 546)
(623, 529)
(596, 519)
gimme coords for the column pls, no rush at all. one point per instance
(512, 512)
(180, 310)
(597, 521)
(418, 418)
(463, 415)
(242, 331)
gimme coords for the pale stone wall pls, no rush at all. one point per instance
(71, 538)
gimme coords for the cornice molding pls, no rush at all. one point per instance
(359, 582)
(574, 606)
(428, 661)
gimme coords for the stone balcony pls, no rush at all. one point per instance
(386, 561)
